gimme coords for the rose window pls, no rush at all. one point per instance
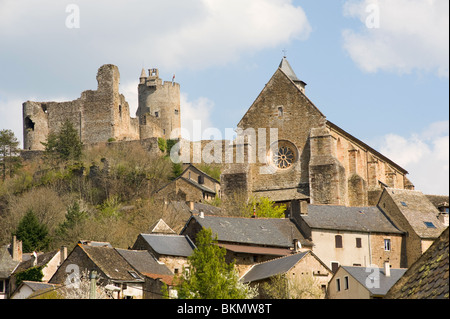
(283, 155)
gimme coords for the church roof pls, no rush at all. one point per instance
(287, 69)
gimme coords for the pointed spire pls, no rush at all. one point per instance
(287, 69)
(143, 75)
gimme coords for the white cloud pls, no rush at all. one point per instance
(413, 35)
(195, 116)
(425, 155)
(189, 33)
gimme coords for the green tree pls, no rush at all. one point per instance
(75, 218)
(32, 233)
(64, 145)
(209, 276)
(265, 208)
(10, 160)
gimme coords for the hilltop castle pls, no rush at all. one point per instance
(315, 160)
(104, 114)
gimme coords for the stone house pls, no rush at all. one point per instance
(30, 289)
(172, 250)
(427, 278)
(115, 268)
(413, 213)
(311, 157)
(13, 262)
(350, 236)
(192, 185)
(363, 282)
(303, 268)
(250, 240)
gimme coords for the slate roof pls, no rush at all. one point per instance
(360, 219)
(171, 245)
(111, 263)
(272, 268)
(361, 274)
(275, 232)
(428, 277)
(42, 259)
(287, 69)
(146, 264)
(7, 264)
(417, 209)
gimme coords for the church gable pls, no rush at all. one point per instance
(280, 103)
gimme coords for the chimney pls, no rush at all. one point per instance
(34, 259)
(191, 205)
(201, 215)
(16, 249)
(62, 254)
(297, 245)
(387, 269)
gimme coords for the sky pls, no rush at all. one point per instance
(379, 69)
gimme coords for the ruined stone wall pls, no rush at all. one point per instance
(97, 115)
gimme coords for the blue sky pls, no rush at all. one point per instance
(386, 85)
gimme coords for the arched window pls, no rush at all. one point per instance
(338, 241)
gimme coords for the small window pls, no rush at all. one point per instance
(403, 204)
(2, 286)
(334, 266)
(176, 112)
(280, 111)
(387, 245)
(134, 275)
(429, 225)
(346, 282)
(156, 114)
(338, 284)
(338, 241)
(358, 243)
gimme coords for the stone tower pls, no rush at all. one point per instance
(160, 100)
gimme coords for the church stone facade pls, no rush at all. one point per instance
(315, 160)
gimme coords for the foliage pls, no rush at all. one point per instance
(31, 274)
(34, 235)
(303, 286)
(265, 208)
(209, 276)
(10, 161)
(64, 145)
(162, 144)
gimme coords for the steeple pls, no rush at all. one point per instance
(142, 77)
(287, 69)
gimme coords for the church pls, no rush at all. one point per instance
(314, 160)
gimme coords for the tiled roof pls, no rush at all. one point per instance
(42, 259)
(275, 232)
(145, 263)
(111, 263)
(380, 283)
(360, 219)
(272, 268)
(7, 264)
(428, 277)
(172, 245)
(417, 210)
